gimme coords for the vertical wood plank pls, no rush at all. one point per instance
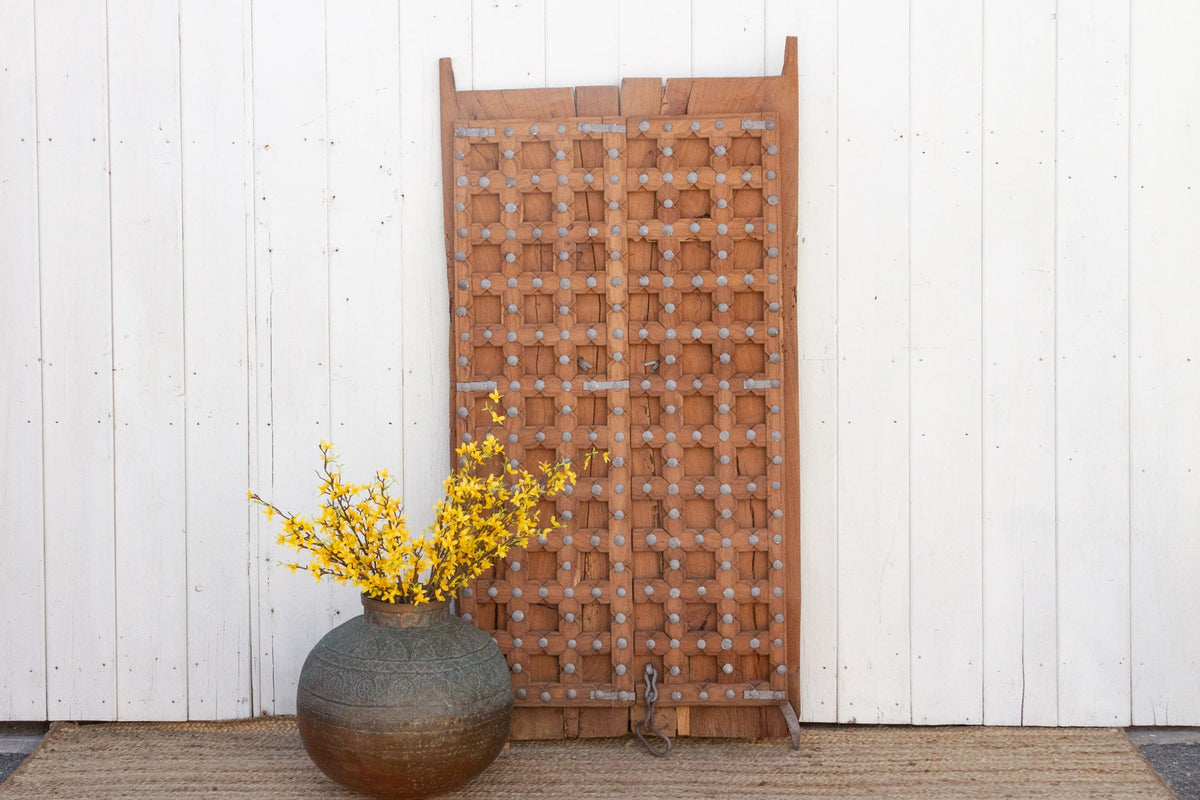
(1165, 380)
(575, 60)
(1092, 364)
(147, 291)
(428, 32)
(22, 594)
(76, 282)
(292, 276)
(728, 39)
(946, 461)
(217, 206)
(655, 39)
(366, 290)
(873, 407)
(816, 24)
(508, 44)
(1020, 607)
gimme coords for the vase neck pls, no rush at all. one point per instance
(404, 615)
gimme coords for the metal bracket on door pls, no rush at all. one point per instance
(793, 723)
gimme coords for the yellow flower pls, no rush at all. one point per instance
(360, 536)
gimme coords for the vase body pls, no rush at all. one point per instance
(405, 701)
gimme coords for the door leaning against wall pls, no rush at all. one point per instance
(622, 268)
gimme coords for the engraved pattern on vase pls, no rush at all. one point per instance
(435, 698)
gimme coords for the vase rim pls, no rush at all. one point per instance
(404, 615)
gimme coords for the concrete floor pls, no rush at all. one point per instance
(18, 740)
(1174, 752)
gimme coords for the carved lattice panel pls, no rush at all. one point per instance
(538, 299)
(706, 424)
(622, 273)
(618, 286)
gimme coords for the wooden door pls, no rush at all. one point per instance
(625, 281)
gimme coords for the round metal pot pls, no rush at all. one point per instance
(405, 701)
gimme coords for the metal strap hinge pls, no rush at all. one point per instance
(474, 131)
(598, 694)
(601, 127)
(761, 694)
(476, 386)
(604, 386)
(753, 384)
(758, 124)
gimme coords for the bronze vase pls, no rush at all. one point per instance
(405, 701)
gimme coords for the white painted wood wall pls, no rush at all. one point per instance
(221, 240)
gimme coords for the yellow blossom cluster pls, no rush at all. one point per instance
(491, 507)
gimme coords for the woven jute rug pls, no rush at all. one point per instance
(264, 759)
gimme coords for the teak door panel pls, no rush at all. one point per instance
(623, 282)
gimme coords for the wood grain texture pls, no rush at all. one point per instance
(730, 39)
(873, 350)
(77, 353)
(508, 43)
(22, 568)
(292, 279)
(817, 277)
(502, 170)
(1092, 378)
(148, 370)
(1165, 366)
(365, 236)
(218, 252)
(945, 192)
(575, 60)
(1019, 585)
(1061, 540)
(654, 38)
(426, 307)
